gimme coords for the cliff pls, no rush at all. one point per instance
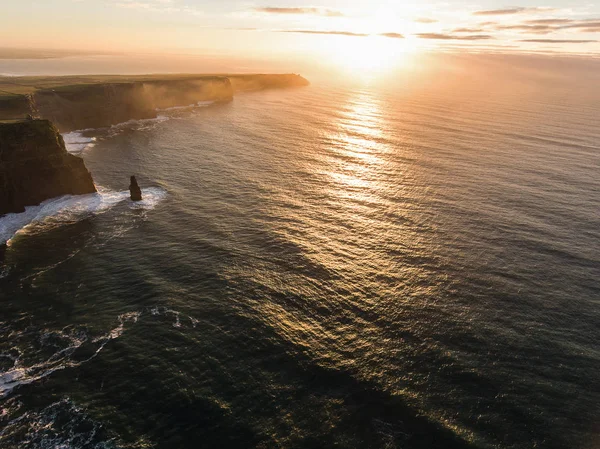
(35, 166)
(73, 103)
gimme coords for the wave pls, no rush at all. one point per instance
(68, 343)
(72, 208)
(77, 143)
(60, 425)
(137, 124)
(72, 339)
(200, 104)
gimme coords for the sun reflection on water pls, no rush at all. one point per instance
(359, 147)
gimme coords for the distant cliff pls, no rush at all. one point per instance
(73, 103)
(35, 166)
(99, 105)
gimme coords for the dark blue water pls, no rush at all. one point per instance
(326, 267)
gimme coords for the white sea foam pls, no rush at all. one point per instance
(61, 425)
(138, 125)
(69, 209)
(176, 108)
(151, 197)
(200, 104)
(22, 374)
(77, 143)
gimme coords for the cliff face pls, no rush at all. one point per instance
(73, 103)
(35, 166)
(99, 105)
(15, 106)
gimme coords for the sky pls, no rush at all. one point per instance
(372, 32)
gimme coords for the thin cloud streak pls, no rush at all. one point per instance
(441, 36)
(468, 30)
(392, 35)
(533, 29)
(547, 26)
(548, 21)
(329, 33)
(300, 11)
(510, 11)
(559, 41)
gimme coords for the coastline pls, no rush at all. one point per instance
(95, 101)
(69, 107)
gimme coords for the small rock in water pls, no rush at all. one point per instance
(134, 189)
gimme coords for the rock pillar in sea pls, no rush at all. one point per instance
(134, 190)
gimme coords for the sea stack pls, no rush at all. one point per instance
(134, 190)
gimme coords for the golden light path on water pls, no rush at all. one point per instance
(355, 176)
(363, 181)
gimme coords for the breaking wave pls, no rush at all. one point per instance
(77, 143)
(71, 347)
(68, 341)
(72, 208)
(60, 425)
(34, 355)
(200, 104)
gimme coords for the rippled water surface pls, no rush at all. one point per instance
(322, 267)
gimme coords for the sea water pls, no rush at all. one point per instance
(334, 266)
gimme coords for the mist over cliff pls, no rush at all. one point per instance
(73, 103)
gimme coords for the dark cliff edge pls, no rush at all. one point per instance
(74, 103)
(35, 166)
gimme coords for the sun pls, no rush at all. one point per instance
(369, 55)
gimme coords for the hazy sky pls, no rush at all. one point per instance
(288, 27)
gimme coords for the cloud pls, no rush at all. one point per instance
(591, 23)
(509, 11)
(392, 35)
(342, 33)
(533, 29)
(309, 11)
(558, 41)
(547, 26)
(548, 21)
(440, 36)
(467, 30)
(330, 33)
(426, 20)
(160, 6)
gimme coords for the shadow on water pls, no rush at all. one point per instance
(233, 390)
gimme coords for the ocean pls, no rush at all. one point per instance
(344, 265)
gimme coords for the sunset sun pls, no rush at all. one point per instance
(368, 55)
